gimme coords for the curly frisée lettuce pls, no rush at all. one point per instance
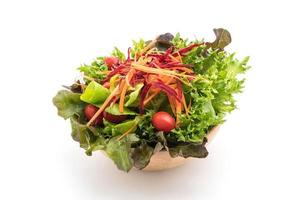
(188, 85)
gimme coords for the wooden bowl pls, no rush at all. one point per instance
(162, 160)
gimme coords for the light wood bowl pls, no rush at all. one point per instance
(162, 160)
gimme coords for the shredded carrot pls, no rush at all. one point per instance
(151, 97)
(158, 71)
(178, 109)
(123, 89)
(106, 102)
(171, 101)
(175, 58)
(162, 69)
(129, 76)
(167, 80)
(173, 85)
(179, 56)
(187, 70)
(122, 97)
(152, 50)
(184, 105)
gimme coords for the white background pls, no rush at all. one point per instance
(255, 155)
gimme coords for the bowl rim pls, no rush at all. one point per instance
(162, 160)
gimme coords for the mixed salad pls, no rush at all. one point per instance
(163, 95)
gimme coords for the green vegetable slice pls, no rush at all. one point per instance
(118, 129)
(133, 96)
(113, 82)
(189, 150)
(94, 93)
(141, 155)
(68, 104)
(223, 38)
(119, 152)
(99, 144)
(81, 133)
(114, 110)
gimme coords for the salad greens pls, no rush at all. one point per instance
(191, 82)
(94, 93)
(68, 104)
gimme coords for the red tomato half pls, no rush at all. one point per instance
(111, 61)
(114, 118)
(163, 121)
(89, 112)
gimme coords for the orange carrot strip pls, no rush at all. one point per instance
(101, 109)
(178, 110)
(179, 56)
(150, 97)
(173, 107)
(124, 88)
(158, 71)
(187, 70)
(122, 98)
(129, 76)
(184, 105)
(168, 81)
(175, 58)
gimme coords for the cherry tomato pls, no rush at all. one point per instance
(111, 61)
(163, 121)
(89, 112)
(106, 85)
(114, 118)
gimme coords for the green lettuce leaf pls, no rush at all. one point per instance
(118, 129)
(189, 150)
(211, 93)
(118, 53)
(223, 38)
(159, 102)
(133, 96)
(141, 155)
(114, 110)
(137, 46)
(99, 144)
(145, 129)
(68, 104)
(119, 151)
(94, 93)
(178, 42)
(113, 82)
(81, 133)
(94, 70)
